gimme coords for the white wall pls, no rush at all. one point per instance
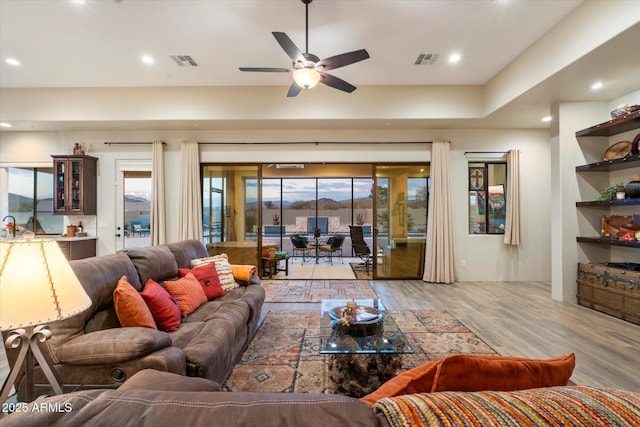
(486, 257)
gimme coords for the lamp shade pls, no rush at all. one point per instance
(306, 77)
(37, 284)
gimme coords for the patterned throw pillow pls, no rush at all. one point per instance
(208, 277)
(225, 272)
(164, 309)
(188, 292)
(130, 306)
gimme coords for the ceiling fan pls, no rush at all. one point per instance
(309, 70)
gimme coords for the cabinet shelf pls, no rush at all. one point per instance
(614, 126)
(608, 203)
(630, 161)
(609, 242)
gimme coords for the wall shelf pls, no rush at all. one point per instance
(630, 161)
(608, 203)
(609, 242)
(614, 126)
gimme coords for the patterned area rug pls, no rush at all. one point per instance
(315, 290)
(283, 357)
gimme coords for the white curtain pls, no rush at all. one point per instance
(190, 214)
(512, 222)
(158, 223)
(439, 266)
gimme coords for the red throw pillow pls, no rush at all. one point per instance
(130, 306)
(164, 309)
(188, 292)
(416, 380)
(208, 278)
(465, 372)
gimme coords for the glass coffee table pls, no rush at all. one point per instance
(364, 352)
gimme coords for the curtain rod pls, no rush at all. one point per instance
(314, 143)
(485, 152)
(131, 143)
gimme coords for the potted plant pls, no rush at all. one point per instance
(609, 192)
(276, 219)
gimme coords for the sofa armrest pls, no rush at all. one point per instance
(112, 346)
(150, 379)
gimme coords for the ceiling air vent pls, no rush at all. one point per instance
(427, 58)
(184, 60)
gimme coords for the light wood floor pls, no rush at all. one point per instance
(520, 319)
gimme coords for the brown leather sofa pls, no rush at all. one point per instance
(155, 398)
(92, 349)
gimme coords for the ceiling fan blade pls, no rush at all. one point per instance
(336, 83)
(294, 90)
(288, 46)
(341, 60)
(265, 69)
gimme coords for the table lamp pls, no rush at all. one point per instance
(37, 286)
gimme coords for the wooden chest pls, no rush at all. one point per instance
(614, 291)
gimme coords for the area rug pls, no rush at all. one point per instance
(315, 290)
(360, 272)
(283, 357)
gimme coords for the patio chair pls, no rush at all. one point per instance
(333, 246)
(301, 246)
(360, 247)
(136, 227)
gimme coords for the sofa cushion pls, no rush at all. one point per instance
(207, 277)
(112, 346)
(186, 250)
(154, 262)
(557, 406)
(465, 372)
(130, 306)
(163, 307)
(150, 379)
(225, 272)
(187, 292)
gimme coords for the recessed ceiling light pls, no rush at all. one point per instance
(147, 59)
(547, 119)
(5, 125)
(596, 86)
(454, 57)
(12, 61)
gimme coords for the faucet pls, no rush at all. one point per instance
(11, 231)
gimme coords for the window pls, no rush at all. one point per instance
(30, 192)
(487, 204)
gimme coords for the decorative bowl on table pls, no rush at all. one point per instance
(363, 316)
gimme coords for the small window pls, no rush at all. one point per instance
(31, 200)
(487, 202)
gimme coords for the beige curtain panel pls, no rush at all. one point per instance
(440, 255)
(512, 221)
(190, 214)
(158, 229)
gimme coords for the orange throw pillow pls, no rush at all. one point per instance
(188, 292)
(464, 372)
(416, 380)
(130, 306)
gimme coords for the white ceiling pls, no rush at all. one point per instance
(99, 43)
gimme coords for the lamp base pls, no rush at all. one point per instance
(27, 340)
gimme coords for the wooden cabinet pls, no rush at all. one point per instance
(613, 127)
(75, 179)
(78, 248)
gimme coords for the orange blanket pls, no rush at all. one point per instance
(243, 272)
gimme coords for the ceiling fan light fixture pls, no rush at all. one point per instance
(306, 77)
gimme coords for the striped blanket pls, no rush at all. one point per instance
(556, 406)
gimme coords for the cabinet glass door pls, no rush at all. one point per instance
(76, 179)
(60, 187)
